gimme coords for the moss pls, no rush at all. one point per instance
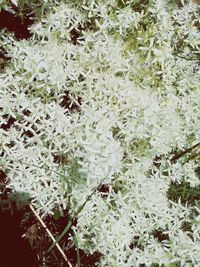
(184, 192)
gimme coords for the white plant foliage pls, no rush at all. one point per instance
(137, 74)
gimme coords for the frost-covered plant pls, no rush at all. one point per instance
(25, 7)
(130, 72)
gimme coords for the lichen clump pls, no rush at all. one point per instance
(108, 91)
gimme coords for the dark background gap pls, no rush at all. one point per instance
(16, 24)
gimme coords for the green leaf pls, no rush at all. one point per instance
(60, 236)
(56, 214)
(78, 264)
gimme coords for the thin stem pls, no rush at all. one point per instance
(179, 155)
(50, 235)
(37, 166)
(75, 215)
(187, 58)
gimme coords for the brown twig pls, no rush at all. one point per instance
(179, 155)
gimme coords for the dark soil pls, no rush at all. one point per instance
(66, 102)
(15, 251)
(16, 24)
(9, 122)
(24, 242)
